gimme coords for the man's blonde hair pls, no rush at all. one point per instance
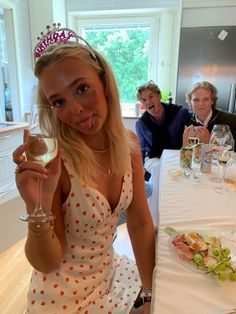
(205, 85)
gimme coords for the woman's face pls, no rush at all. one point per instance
(76, 93)
(201, 102)
(151, 101)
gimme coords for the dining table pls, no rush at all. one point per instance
(191, 203)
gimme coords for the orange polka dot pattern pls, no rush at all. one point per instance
(91, 278)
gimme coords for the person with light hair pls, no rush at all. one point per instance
(96, 176)
(201, 99)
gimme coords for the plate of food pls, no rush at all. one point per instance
(207, 253)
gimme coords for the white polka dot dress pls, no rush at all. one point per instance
(91, 278)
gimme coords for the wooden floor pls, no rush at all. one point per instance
(14, 279)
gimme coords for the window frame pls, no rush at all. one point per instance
(110, 18)
(13, 56)
(152, 20)
(164, 37)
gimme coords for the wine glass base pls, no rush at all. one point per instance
(215, 179)
(222, 190)
(37, 218)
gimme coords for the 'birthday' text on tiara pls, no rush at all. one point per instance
(58, 35)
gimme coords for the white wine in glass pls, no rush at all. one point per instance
(193, 141)
(193, 138)
(41, 148)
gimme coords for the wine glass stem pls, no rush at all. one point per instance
(218, 170)
(223, 175)
(38, 208)
(221, 184)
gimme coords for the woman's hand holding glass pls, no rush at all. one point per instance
(42, 171)
(27, 181)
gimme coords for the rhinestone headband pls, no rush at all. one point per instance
(56, 36)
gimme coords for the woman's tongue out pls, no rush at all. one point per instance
(87, 123)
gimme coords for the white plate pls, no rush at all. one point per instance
(226, 241)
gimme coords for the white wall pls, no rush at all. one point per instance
(209, 16)
(85, 5)
(49, 11)
(11, 228)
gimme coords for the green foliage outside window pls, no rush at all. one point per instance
(127, 51)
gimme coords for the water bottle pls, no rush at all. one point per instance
(8, 103)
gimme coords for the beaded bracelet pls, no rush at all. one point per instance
(146, 292)
(145, 296)
(38, 232)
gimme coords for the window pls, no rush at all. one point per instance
(126, 44)
(3, 47)
(3, 65)
(9, 63)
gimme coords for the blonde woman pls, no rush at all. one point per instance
(97, 175)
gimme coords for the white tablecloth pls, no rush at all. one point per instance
(153, 167)
(188, 205)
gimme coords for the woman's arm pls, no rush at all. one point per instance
(44, 244)
(44, 247)
(145, 138)
(140, 225)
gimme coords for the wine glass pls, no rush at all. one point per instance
(193, 138)
(221, 141)
(225, 129)
(41, 148)
(225, 160)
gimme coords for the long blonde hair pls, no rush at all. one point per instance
(119, 140)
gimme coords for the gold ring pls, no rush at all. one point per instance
(19, 168)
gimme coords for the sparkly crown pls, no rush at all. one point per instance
(56, 36)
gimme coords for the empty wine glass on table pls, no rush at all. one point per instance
(227, 134)
(41, 148)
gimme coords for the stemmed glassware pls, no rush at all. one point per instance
(41, 149)
(225, 160)
(221, 141)
(193, 138)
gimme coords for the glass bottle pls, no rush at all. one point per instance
(8, 103)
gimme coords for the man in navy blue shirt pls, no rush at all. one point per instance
(161, 126)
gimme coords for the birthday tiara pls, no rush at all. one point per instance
(59, 36)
